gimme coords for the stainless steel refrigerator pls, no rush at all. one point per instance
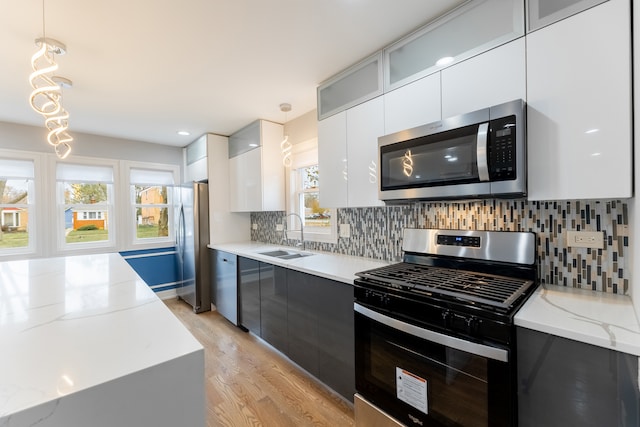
(192, 238)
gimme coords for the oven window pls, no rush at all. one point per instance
(456, 382)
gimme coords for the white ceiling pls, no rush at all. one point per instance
(143, 69)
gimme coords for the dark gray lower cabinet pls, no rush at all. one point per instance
(321, 329)
(306, 317)
(302, 320)
(336, 352)
(562, 382)
(273, 306)
(249, 293)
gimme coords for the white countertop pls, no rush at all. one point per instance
(598, 318)
(342, 268)
(69, 324)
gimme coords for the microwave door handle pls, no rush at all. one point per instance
(481, 151)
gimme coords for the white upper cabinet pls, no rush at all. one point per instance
(545, 12)
(473, 28)
(491, 78)
(579, 106)
(365, 123)
(195, 160)
(332, 160)
(348, 156)
(352, 86)
(412, 105)
(256, 171)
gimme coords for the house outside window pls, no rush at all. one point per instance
(152, 202)
(85, 194)
(16, 205)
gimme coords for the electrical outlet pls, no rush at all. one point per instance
(345, 230)
(585, 239)
(279, 227)
(254, 226)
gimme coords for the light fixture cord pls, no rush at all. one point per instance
(43, 33)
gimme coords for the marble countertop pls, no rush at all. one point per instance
(342, 268)
(598, 318)
(69, 324)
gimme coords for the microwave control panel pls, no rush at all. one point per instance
(502, 149)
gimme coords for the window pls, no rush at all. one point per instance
(16, 205)
(85, 194)
(152, 201)
(319, 222)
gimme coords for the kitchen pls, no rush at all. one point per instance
(549, 213)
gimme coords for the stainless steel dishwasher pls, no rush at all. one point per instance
(225, 284)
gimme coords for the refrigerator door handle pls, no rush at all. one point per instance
(180, 238)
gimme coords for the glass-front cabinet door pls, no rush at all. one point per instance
(545, 12)
(472, 28)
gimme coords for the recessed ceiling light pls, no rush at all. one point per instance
(184, 133)
(592, 130)
(444, 61)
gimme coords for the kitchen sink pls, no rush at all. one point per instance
(285, 254)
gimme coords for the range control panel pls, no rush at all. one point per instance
(447, 240)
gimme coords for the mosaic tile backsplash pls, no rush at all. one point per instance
(377, 233)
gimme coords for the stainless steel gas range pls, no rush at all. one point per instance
(435, 338)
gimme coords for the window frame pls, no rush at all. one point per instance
(305, 154)
(133, 242)
(111, 244)
(34, 206)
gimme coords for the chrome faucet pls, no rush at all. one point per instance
(301, 229)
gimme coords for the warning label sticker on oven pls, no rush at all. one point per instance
(412, 389)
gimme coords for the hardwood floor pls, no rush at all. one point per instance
(248, 383)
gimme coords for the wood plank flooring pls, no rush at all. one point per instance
(248, 383)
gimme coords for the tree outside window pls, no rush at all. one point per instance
(152, 203)
(315, 216)
(152, 211)
(14, 213)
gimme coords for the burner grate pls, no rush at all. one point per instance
(493, 290)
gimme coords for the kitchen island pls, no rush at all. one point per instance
(86, 342)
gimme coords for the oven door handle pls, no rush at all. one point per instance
(445, 340)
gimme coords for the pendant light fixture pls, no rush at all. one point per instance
(285, 145)
(46, 97)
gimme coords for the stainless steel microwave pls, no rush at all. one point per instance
(480, 154)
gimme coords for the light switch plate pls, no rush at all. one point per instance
(279, 227)
(585, 239)
(254, 226)
(345, 230)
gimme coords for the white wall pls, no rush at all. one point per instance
(302, 128)
(31, 138)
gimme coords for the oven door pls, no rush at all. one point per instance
(422, 377)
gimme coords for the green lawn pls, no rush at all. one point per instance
(16, 239)
(77, 236)
(147, 231)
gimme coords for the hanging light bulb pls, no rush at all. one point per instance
(46, 97)
(285, 145)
